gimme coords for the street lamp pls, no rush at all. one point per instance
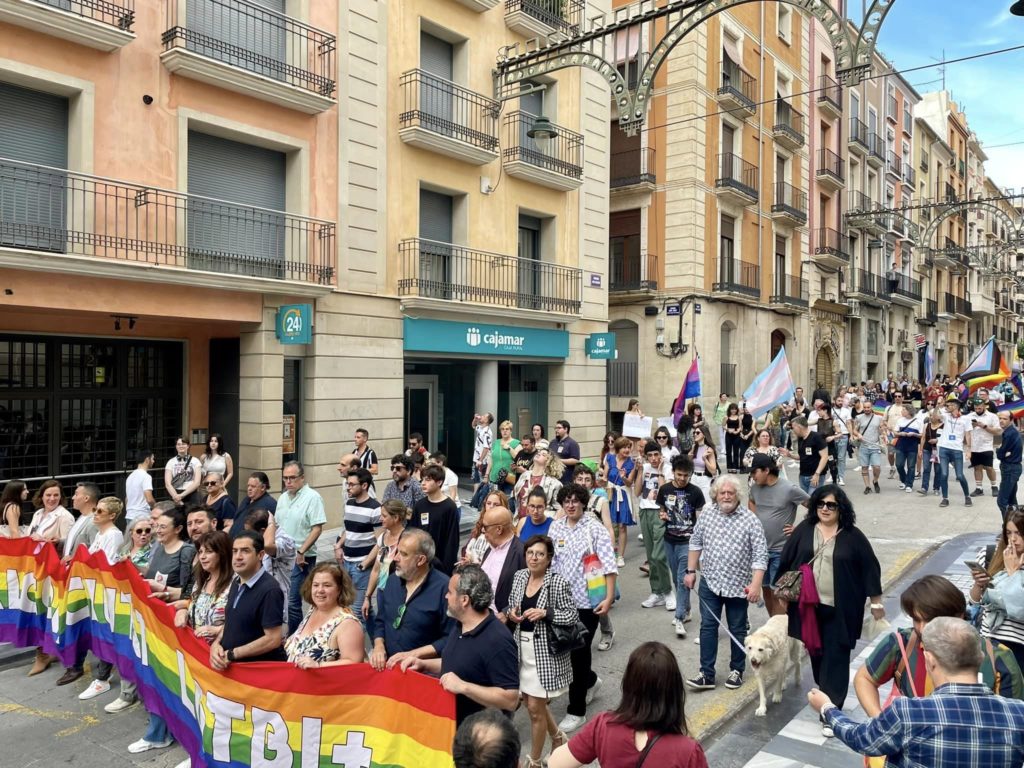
(1017, 9)
(543, 131)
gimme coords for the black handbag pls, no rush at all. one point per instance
(565, 639)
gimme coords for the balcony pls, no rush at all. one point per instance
(831, 248)
(434, 275)
(788, 130)
(954, 307)
(924, 261)
(930, 316)
(951, 256)
(247, 48)
(738, 280)
(903, 289)
(556, 163)
(986, 304)
(480, 6)
(737, 180)
(893, 164)
(897, 225)
(631, 270)
(632, 171)
(737, 92)
(539, 18)
(622, 379)
(101, 24)
(858, 137)
(830, 97)
(442, 117)
(876, 150)
(67, 222)
(789, 205)
(829, 171)
(861, 214)
(909, 175)
(866, 287)
(948, 193)
(790, 295)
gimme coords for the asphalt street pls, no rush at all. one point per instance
(41, 724)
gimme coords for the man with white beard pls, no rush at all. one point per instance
(729, 545)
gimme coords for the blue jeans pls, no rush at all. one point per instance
(157, 730)
(1009, 474)
(805, 483)
(711, 605)
(299, 574)
(906, 465)
(677, 553)
(949, 456)
(926, 471)
(841, 443)
(360, 580)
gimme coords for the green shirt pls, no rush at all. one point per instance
(719, 414)
(296, 515)
(501, 458)
(1005, 679)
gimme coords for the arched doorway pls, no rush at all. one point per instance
(823, 374)
(778, 341)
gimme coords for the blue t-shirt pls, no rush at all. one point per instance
(532, 529)
(486, 655)
(908, 444)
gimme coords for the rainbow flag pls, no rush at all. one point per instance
(772, 387)
(1013, 407)
(987, 369)
(879, 406)
(351, 716)
(690, 389)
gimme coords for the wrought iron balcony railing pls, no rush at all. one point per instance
(904, 285)
(790, 289)
(738, 83)
(829, 163)
(736, 276)
(859, 132)
(435, 270)
(562, 154)
(954, 305)
(254, 38)
(564, 16)
(442, 107)
(830, 92)
(931, 311)
(634, 166)
(60, 211)
(632, 269)
(789, 121)
(120, 14)
(832, 241)
(737, 173)
(790, 199)
(894, 164)
(876, 145)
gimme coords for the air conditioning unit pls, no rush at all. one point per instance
(854, 306)
(940, 341)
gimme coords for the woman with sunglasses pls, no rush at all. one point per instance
(138, 543)
(664, 441)
(846, 574)
(218, 499)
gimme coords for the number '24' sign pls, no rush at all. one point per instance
(294, 324)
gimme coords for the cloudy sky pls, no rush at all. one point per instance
(991, 89)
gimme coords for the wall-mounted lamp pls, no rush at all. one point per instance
(131, 319)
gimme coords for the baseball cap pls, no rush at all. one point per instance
(762, 461)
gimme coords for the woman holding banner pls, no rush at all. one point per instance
(331, 634)
(203, 614)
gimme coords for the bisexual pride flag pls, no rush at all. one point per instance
(690, 389)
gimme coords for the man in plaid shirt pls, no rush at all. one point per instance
(728, 543)
(961, 725)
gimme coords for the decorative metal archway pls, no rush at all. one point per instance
(956, 208)
(637, 22)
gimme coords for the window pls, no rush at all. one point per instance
(728, 139)
(854, 104)
(781, 284)
(908, 119)
(726, 249)
(529, 277)
(780, 169)
(785, 22)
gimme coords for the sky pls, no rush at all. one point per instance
(990, 89)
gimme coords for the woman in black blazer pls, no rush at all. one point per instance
(846, 574)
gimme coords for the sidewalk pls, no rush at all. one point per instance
(798, 742)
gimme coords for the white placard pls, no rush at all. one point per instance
(666, 422)
(636, 426)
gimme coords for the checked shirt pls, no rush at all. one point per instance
(731, 548)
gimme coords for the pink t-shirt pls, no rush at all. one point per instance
(612, 745)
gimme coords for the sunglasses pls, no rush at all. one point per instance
(211, 484)
(829, 505)
(143, 530)
(398, 619)
(396, 467)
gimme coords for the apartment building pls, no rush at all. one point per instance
(949, 253)
(280, 221)
(996, 249)
(710, 239)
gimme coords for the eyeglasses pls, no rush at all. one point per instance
(398, 619)
(486, 528)
(536, 554)
(831, 506)
(396, 467)
(286, 478)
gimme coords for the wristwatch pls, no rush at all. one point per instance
(231, 654)
(689, 571)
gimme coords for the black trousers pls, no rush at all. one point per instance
(583, 676)
(831, 669)
(734, 448)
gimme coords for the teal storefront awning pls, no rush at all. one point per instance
(483, 339)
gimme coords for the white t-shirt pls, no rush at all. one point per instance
(982, 440)
(135, 488)
(840, 416)
(450, 480)
(110, 542)
(651, 481)
(953, 431)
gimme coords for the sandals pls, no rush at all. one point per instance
(558, 740)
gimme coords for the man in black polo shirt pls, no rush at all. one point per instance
(253, 620)
(480, 661)
(813, 452)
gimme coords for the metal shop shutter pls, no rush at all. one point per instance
(236, 238)
(34, 130)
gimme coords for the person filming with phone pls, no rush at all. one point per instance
(1000, 588)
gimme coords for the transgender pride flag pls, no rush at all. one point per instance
(772, 387)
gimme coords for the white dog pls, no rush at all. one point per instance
(770, 651)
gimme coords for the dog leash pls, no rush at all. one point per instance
(713, 615)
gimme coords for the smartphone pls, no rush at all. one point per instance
(974, 565)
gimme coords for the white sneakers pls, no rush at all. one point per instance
(670, 601)
(679, 628)
(621, 562)
(144, 746)
(653, 600)
(592, 693)
(119, 705)
(571, 722)
(96, 688)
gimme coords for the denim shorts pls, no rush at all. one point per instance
(774, 558)
(870, 455)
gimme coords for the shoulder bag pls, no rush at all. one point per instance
(787, 586)
(564, 639)
(647, 750)
(879, 762)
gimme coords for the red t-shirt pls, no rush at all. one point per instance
(612, 744)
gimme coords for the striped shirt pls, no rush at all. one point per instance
(361, 517)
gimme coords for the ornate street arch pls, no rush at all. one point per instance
(973, 205)
(555, 51)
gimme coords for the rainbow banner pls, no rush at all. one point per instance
(880, 406)
(260, 713)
